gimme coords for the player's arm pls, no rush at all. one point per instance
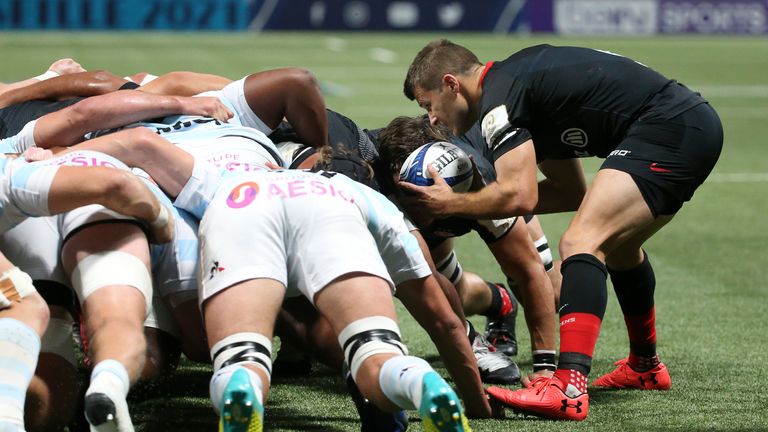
(513, 193)
(181, 83)
(117, 190)
(169, 166)
(67, 126)
(563, 188)
(293, 94)
(89, 83)
(59, 67)
(426, 301)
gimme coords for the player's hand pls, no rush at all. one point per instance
(163, 227)
(528, 379)
(432, 200)
(206, 106)
(497, 408)
(34, 154)
(66, 66)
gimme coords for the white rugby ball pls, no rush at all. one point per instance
(453, 165)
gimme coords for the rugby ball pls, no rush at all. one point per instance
(453, 165)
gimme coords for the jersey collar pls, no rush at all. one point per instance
(485, 71)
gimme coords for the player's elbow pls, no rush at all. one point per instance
(516, 202)
(102, 82)
(302, 78)
(116, 189)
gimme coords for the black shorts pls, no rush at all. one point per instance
(668, 158)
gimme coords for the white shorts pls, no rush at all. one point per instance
(159, 317)
(304, 242)
(34, 247)
(174, 264)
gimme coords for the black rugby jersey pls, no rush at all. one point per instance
(14, 117)
(575, 102)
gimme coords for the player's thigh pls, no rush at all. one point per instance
(613, 210)
(629, 254)
(248, 306)
(355, 296)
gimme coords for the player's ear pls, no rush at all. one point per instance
(451, 82)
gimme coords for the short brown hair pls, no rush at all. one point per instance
(401, 137)
(435, 60)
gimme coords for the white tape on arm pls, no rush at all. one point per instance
(46, 75)
(162, 219)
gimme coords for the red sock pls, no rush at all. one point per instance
(573, 377)
(642, 340)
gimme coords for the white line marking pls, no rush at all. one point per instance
(732, 91)
(756, 177)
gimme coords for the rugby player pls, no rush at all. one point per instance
(660, 141)
(44, 189)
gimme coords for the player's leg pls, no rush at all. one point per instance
(109, 268)
(493, 300)
(239, 322)
(377, 358)
(634, 282)
(23, 319)
(52, 394)
(51, 398)
(163, 344)
(613, 211)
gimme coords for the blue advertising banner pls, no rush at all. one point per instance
(125, 14)
(580, 17)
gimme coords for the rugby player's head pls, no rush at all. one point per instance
(401, 137)
(438, 58)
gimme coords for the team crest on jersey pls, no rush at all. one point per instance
(242, 194)
(574, 137)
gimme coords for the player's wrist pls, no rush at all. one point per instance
(47, 75)
(161, 221)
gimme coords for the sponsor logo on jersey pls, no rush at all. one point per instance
(619, 153)
(574, 137)
(242, 194)
(215, 269)
(656, 168)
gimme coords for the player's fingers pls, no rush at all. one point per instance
(410, 188)
(435, 174)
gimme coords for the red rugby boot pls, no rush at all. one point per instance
(625, 377)
(545, 397)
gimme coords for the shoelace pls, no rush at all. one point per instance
(486, 355)
(541, 383)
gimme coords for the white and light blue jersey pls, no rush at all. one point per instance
(398, 247)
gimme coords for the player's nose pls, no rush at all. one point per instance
(433, 119)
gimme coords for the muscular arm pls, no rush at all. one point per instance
(139, 147)
(182, 83)
(89, 83)
(118, 190)
(563, 188)
(67, 126)
(293, 94)
(513, 193)
(426, 301)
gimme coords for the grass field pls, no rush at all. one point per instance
(711, 290)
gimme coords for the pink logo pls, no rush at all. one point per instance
(242, 195)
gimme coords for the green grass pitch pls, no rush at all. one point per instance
(711, 289)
